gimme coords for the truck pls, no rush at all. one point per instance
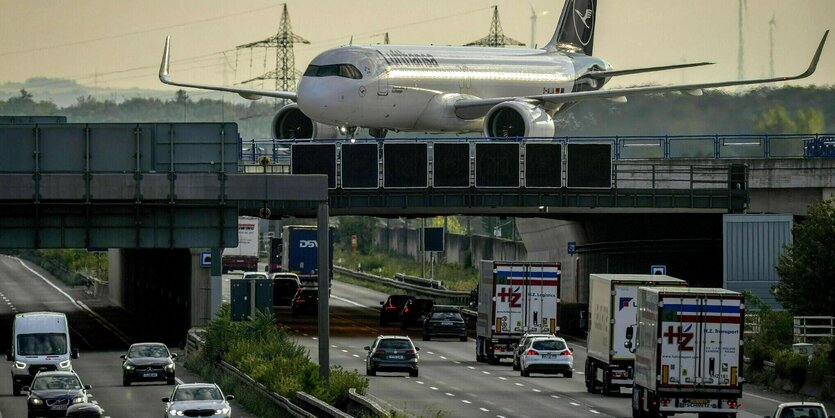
(514, 297)
(274, 263)
(613, 309)
(300, 253)
(245, 256)
(688, 352)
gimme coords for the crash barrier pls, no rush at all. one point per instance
(452, 296)
(311, 407)
(363, 406)
(420, 281)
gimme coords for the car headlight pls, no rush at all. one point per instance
(20, 365)
(64, 364)
(129, 367)
(78, 399)
(169, 367)
(35, 401)
(175, 412)
(225, 410)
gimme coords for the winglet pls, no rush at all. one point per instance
(814, 64)
(163, 66)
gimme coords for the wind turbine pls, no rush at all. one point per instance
(534, 16)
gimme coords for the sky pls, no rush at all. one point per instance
(118, 43)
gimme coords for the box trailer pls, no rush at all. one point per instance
(688, 356)
(300, 253)
(515, 297)
(612, 309)
(244, 257)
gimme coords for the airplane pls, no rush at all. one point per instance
(502, 92)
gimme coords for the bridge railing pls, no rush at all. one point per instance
(660, 147)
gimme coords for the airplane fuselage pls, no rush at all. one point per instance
(414, 87)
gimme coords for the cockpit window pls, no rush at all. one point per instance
(339, 70)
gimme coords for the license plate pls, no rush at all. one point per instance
(446, 323)
(59, 407)
(149, 375)
(396, 357)
(698, 403)
(549, 356)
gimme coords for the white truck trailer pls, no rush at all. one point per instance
(612, 309)
(688, 356)
(515, 297)
(244, 257)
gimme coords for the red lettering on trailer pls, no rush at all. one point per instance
(683, 338)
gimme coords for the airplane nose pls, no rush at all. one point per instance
(310, 98)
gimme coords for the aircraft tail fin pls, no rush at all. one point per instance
(575, 29)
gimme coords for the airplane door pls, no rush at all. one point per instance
(383, 84)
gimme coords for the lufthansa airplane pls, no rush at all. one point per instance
(502, 92)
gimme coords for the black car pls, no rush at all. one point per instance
(285, 286)
(306, 300)
(414, 311)
(392, 354)
(444, 321)
(392, 308)
(146, 362)
(52, 393)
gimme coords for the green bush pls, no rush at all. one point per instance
(270, 356)
(792, 366)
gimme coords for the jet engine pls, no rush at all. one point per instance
(518, 119)
(291, 123)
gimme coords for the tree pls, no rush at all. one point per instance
(777, 120)
(807, 267)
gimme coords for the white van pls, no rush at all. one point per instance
(40, 341)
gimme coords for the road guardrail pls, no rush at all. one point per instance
(454, 296)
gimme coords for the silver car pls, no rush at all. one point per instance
(547, 355)
(197, 400)
(523, 342)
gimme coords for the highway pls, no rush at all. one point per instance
(101, 335)
(453, 382)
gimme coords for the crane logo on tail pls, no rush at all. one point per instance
(584, 21)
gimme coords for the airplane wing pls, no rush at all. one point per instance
(476, 108)
(251, 94)
(613, 73)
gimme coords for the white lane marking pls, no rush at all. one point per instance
(442, 357)
(593, 411)
(484, 409)
(519, 384)
(465, 401)
(555, 396)
(485, 372)
(179, 381)
(433, 388)
(352, 302)
(315, 338)
(471, 367)
(500, 416)
(574, 403)
(744, 394)
(344, 351)
(502, 378)
(82, 306)
(429, 352)
(449, 394)
(334, 346)
(456, 362)
(418, 382)
(580, 372)
(537, 390)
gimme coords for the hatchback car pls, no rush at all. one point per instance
(285, 286)
(392, 308)
(392, 354)
(198, 400)
(546, 355)
(305, 301)
(800, 410)
(444, 321)
(146, 362)
(415, 311)
(523, 342)
(52, 393)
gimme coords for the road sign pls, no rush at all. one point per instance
(205, 259)
(658, 269)
(572, 248)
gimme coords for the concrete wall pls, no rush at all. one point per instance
(407, 242)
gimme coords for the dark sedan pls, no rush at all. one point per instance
(444, 321)
(146, 362)
(305, 301)
(52, 393)
(392, 308)
(392, 353)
